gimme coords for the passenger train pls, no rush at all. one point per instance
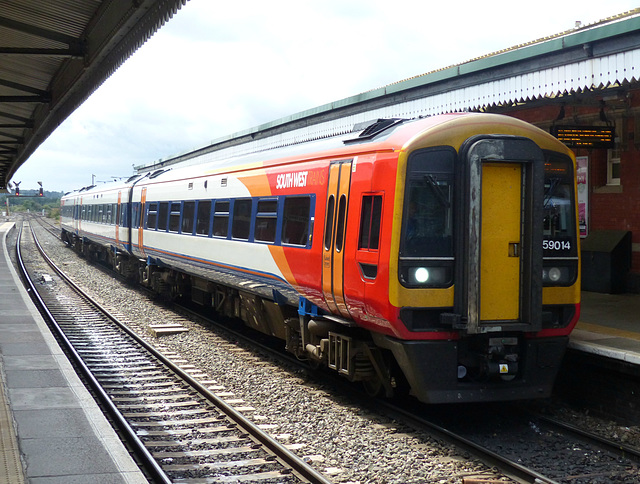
(437, 256)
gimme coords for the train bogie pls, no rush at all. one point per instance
(438, 254)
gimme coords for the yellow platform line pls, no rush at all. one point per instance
(599, 329)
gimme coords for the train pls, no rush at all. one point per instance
(436, 257)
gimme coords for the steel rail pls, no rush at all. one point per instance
(511, 468)
(304, 470)
(140, 451)
(619, 448)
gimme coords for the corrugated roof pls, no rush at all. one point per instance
(587, 58)
(54, 54)
(522, 48)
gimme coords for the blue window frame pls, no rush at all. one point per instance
(221, 218)
(284, 220)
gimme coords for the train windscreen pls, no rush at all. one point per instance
(559, 227)
(426, 249)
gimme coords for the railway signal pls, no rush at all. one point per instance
(16, 191)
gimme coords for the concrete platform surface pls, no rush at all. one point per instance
(52, 431)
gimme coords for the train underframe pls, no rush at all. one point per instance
(430, 370)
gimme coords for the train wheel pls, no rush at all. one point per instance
(373, 387)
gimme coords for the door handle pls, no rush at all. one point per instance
(514, 249)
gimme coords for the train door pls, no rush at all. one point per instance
(77, 216)
(117, 215)
(335, 236)
(501, 241)
(143, 200)
(504, 235)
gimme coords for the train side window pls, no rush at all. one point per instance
(174, 216)
(188, 211)
(134, 216)
(342, 215)
(163, 215)
(370, 222)
(295, 220)
(203, 218)
(241, 224)
(152, 216)
(221, 219)
(328, 223)
(266, 220)
(123, 214)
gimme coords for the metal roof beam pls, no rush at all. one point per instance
(12, 136)
(39, 32)
(21, 87)
(20, 119)
(38, 98)
(73, 51)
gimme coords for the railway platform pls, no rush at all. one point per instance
(51, 430)
(609, 326)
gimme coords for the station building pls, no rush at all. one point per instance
(581, 85)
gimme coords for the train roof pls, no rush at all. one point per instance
(378, 135)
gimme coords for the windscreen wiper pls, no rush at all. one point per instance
(437, 191)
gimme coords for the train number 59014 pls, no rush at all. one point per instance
(556, 245)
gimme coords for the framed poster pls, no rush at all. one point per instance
(582, 169)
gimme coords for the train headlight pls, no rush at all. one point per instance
(420, 274)
(559, 275)
(423, 274)
(555, 274)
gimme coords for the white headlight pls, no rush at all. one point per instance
(555, 274)
(421, 275)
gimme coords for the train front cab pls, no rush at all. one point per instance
(488, 267)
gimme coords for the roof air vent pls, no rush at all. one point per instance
(370, 129)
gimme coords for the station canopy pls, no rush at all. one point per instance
(54, 54)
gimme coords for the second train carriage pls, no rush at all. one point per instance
(438, 254)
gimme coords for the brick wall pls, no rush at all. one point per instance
(610, 207)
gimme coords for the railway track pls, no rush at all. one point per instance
(179, 429)
(526, 446)
(525, 453)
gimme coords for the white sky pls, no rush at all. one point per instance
(221, 67)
